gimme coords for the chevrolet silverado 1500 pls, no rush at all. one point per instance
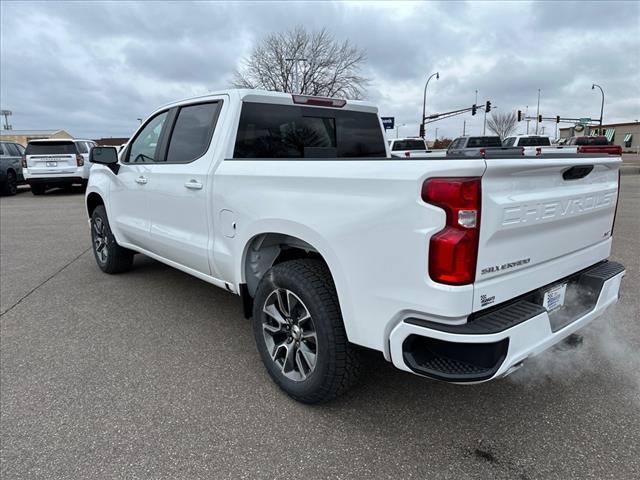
(455, 268)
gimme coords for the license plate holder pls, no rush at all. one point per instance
(554, 297)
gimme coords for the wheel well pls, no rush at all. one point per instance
(93, 200)
(269, 249)
(11, 170)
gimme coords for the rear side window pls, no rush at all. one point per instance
(409, 145)
(82, 147)
(283, 131)
(192, 132)
(51, 148)
(12, 149)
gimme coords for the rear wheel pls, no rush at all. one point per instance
(11, 184)
(38, 189)
(110, 257)
(299, 332)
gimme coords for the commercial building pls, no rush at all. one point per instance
(23, 136)
(626, 134)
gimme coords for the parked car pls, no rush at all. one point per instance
(414, 147)
(454, 270)
(56, 163)
(535, 145)
(485, 145)
(599, 144)
(10, 167)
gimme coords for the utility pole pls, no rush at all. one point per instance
(538, 112)
(6, 114)
(423, 133)
(526, 114)
(436, 134)
(476, 97)
(484, 127)
(602, 104)
(295, 87)
(464, 128)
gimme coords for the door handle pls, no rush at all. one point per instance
(193, 185)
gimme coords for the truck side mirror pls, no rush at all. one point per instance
(105, 156)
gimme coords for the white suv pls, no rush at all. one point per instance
(56, 163)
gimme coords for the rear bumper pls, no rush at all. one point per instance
(66, 173)
(53, 181)
(496, 341)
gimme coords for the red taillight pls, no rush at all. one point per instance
(24, 161)
(538, 151)
(79, 160)
(483, 152)
(453, 251)
(319, 101)
(407, 154)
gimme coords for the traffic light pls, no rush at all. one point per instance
(473, 109)
(519, 115)
(487, 107)
(557, 118)
(539, 118)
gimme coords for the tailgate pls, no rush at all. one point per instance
(51, 163)
(542, 219)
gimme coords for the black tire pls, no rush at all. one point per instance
(337, 362)
(110, 257)
(10, 186)
(38, 189)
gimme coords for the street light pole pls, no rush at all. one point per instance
(538, 112)
(602, 104)
(424, 103)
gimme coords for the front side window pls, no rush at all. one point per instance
(20, 149)
(144, 147)
(283, 131)
(192, 132)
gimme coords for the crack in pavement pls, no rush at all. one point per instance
(60, 270)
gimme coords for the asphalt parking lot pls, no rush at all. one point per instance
(154, 374)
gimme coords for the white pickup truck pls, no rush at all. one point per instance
(412, 147)
(456, 269)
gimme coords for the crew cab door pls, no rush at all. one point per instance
(129, 201)
(180, 184)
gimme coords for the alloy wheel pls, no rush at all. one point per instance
(289, 334)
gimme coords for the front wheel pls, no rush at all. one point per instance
(110, 257)
(300, 334)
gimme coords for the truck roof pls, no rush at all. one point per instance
(265, 96)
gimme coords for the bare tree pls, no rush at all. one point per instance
(329, 69)
(502, 124)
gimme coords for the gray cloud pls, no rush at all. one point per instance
(93, 68)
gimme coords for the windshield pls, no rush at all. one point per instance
(412, 144)
(51, 148)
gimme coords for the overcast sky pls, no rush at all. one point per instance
(93, 68)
